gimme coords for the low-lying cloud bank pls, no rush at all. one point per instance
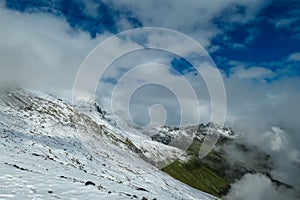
(258, 187)
(267, 113)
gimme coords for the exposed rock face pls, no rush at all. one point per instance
(166, 134)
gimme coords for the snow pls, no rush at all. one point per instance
(156, 153)
(49, 150)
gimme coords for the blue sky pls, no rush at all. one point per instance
(266, 38)
(255, 42)
(252, 42)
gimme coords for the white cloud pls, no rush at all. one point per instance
(190, 17)
(254, 107)
(276, 138)
(251, 72)
(175, 93)
(294, 155)
(40, 51)
(258, 187)
(294, 56)
(91, 7)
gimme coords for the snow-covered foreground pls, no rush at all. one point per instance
(51, 151)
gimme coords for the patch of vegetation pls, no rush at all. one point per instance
(197, 174)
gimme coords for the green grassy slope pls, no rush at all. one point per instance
(197, 174)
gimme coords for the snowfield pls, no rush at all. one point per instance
(50, 150)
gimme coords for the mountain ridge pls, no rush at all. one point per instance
(74, 143)
(51, 150)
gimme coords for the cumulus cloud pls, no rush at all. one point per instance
(40, 51)
(258, 187)
(192, 17)
(167, 77)
(152, 84)
(49, 53)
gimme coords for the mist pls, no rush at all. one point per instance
(258, 187)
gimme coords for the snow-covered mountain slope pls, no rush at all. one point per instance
(154, 152)
(49, 150)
